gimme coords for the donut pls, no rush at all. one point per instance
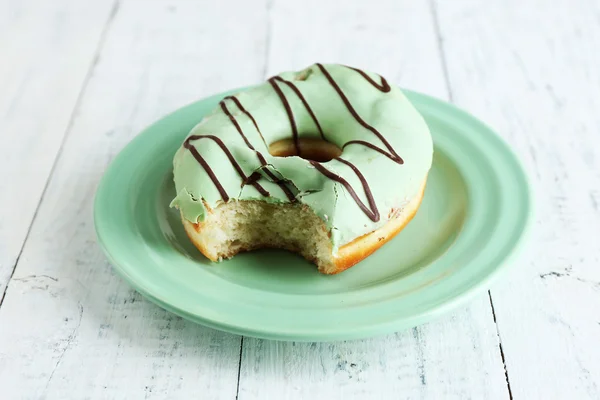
(330, 162)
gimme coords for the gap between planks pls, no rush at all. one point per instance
(239, 373)
(510, 395)
(113, 12)
(440, 42)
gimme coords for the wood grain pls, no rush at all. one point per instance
(456, 357)
(45, 58)
(70, 328)
(532, 71)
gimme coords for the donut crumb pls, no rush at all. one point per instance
(238, 226)
(303, 75)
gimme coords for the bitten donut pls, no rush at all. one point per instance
(329, 162)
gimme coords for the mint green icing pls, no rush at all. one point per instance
(390, 113)
(190, 207)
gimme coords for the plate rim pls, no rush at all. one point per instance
(385, 327)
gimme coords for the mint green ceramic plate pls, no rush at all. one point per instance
(473, 216)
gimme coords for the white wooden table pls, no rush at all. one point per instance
(78, 80)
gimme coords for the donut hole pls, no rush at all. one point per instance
(314, 149)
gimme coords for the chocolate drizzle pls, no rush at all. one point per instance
(243, 109)
(235, 123)
(304, 102)
(383, 87)
(371, 210)
(261, 158)
(210, 172)
(392, 155)
(290, 114)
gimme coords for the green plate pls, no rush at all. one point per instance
(474, 214)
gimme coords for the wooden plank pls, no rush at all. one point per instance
(533, 72)
(70, 328)
(46, 51)
(456, 357)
